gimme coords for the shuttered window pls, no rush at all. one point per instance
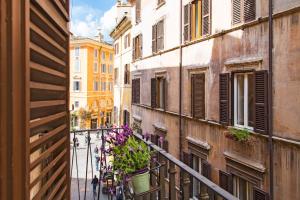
(225, 181)
(158, 36)
(243, 11)
(198, 95)
(158, 92)
(127, 74)
(258, 194)
(137, 47)
(159, 2)
(138, 11)
(224, 98)
(135, 91)
(242, 188)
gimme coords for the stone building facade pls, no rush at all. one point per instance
(202, 79)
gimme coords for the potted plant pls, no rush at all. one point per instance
(131, 159)
(240, 135)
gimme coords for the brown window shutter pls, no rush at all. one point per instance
(132, 91)
(166, 145)
(140, 46)
(206, 170)
(224, 98)
(186, 22)
(205, 17)
(261, 101)
(249, 10)
(133, 48)
(258, 194)
(153, 92)
(153, 139)
(236, 11)
(198, 96)
(154, 41)
(165, 92)
(225, 181)
(138, 90)
(187, 158)
(138, 11)
(160, 35)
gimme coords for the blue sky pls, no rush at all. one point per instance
(87, 16)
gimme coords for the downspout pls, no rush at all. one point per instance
(180, 85)
(270, 94)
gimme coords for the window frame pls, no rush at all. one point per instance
(95, 65)
(236, 187)
(103, 55)
(235, 101)
(95, 53)
(76, 104)
(75, 84)
(77, 51)
(103, 68)
(96, 85)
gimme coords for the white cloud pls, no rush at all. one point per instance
(87, 20)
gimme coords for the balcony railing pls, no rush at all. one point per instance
(169, 177)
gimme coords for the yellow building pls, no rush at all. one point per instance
(91, 82)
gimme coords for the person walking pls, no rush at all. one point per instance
(95, 182)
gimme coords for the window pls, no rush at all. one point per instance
(103, 86)
(77, 51)
(136, 91)
(196, 165)
(95, 53)
(103, 70)
(96, 86)
(110, 69)
(76, 103)
(95, 69)
(116, 48)
(110, 86)
(158, 93)
(127, 41)
(244, 100)
(110, 57)
(77, 65)
(76, 86)
(126, 117)
(127, 74)
(158, 36)
(103, 55)
(197, 19)
(242, 189)
(137, 47)
(75, 121)
(243, 11)
(138, 11)
(198, 95)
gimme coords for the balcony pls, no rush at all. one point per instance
(169, 177)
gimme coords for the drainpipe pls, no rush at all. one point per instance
(180, 85)
(270, 91)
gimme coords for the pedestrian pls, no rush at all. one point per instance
(95, 182)
(96, 150)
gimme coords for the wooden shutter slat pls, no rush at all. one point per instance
(258, 194)
(198, 96)
(133, 48)
(138, 90)
(261, 101)
(165, 92)
(224, 98)
(153, 92)
(225, 181)
(249, 10)
(236, 11)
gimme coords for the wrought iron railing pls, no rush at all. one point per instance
(170, 178)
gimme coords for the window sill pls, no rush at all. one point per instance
(160, 5)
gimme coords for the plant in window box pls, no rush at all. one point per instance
(240, 135)
(131, 159)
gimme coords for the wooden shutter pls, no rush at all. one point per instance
(198, 96)
(224, 98)
(187, 158)
(187, 23)
(258, 194)
(261, 101)
(133, 91)
(236, 11)
(205, 17)
(165, 93)
(138, 11)
(133, 48)
(154, 139)
(153, 92)
(138, 90)
(160, 35)
(140, 50)
(166, 145)
(154, 41)
(249, 10)
(206, 169)
(225, 181)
